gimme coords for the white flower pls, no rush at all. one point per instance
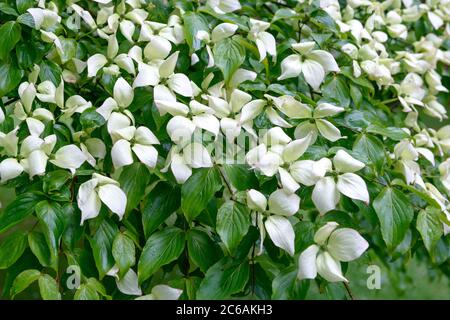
(313, 64)
(224, 6)
(98, 61)
(35, 154)
(326, 192)
(264, 40)
(331, 246)
(97, 190)
(282, 204)
(9, 169)
(162, 292)
(142, 141)
(317, 124)
(69, 157)
(181, 160)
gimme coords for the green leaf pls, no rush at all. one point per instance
(194, 22)
(395, 213)
(224, 279)
(23, 281)
(133, 181)
(10, 33)
(286, 286)
(241, 177)
(233, 221)
(373, 150)
(18, 210)
(393, 133)
(203, 251)
(336, 89)
(55, 180)
(48, 288)
(124, 254)
(229, 54)
(91, 119)
(7, 9)
(429, 225)
(85, 292)
(39, 246)
(198, 190)
(101, 244)
(50, 71)
(162, 201)
(284, 13)
(12, 248)
(161, 248)
(10, 77)
(23, 5)
(51, 216)
(323, 20)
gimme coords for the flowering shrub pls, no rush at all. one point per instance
(220, 148)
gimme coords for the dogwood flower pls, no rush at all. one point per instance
(326, 192)
(100, 189)
(182, 159)
(123, 96)
(98, 60)
(264, 40)
(223, 6)
(162, 292)
(332, 245)
(316, 123)
(282, 204)
(313, 64)
(141, 143)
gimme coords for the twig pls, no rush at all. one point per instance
(349, 291)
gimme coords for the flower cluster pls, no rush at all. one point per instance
(281, 115)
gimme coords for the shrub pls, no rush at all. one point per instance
(220, 148)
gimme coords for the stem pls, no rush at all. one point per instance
(349, 291)
(233, 196)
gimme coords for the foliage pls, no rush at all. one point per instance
(221, 149)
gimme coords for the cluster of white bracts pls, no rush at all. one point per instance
(225, 110)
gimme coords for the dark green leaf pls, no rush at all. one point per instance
(198, 190)
(429, 225)
(12, 248)
(286, 286)
(233, 221)
(224, 279)
(24, 5)
(23, 281)
(10, 34)
(336, 89)
(18, 210)
(123, 251)
(241, 177)
(50, 71)
(51, 216)
(395, 213)
(101, 244)
(39, 246)
(133, 181)
(55, 180)
(393, 133)
(91, 119)
(10, 77)
(162, 201)
(203, 251)
(372, 149)
(161, 248)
